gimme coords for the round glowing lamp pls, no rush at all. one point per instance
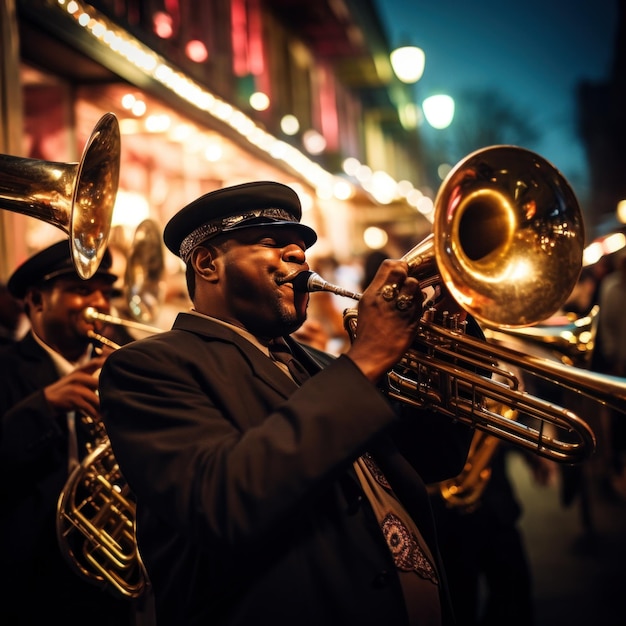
(408, 63)
(438, 111)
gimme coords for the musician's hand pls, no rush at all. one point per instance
(77, 391)
(389, 312)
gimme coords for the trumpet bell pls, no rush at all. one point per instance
(508, 236)
(78, 197)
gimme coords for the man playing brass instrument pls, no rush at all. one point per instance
(47, 383)
(265, 493)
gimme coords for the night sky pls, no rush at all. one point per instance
(534, 52)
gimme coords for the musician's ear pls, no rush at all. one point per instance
(33, 300)
(203, 261)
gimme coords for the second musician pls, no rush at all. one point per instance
(47, 382)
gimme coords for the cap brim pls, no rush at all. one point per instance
(103, 275)
(21, 283)
(309, 236)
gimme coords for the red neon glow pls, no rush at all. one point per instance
(328, 109)
(256, 57)
(239, 37)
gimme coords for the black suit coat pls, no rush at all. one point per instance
(247, 506)
(34, 470)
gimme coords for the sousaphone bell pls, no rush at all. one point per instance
(507, 244)
(78, 197)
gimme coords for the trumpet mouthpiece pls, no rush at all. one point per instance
(303, 282)
(308, 281)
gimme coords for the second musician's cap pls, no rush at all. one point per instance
(49, 263)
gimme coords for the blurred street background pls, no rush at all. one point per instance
(577, 552)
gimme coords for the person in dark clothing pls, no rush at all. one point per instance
(481, 543)
(264, 494)
(609, 357)
(48, 383)
(11, 315)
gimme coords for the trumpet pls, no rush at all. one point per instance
(91, 314)
(507, 244)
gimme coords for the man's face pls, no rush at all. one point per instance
(57, 311)
(252, 266)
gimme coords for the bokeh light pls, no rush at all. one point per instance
(408, 63)
(439, 110)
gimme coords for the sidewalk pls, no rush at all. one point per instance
(577, 553)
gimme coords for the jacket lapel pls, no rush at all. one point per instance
(262, 365)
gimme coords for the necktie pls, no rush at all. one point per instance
(281, 352)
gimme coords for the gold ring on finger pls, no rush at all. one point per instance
(389, 293)
(404, 302)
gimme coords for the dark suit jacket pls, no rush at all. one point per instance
(34, 469)
(248, 510)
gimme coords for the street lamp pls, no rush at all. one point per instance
(439, 111)
(408, 63)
